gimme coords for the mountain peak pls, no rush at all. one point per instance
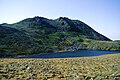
(63, 18)
(39, 17)
(61, 24)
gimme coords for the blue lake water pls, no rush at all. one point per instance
(79, 53)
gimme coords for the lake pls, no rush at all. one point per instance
(79, 53)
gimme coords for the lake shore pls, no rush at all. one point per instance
(104, 67)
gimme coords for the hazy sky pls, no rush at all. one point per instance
(102, 15)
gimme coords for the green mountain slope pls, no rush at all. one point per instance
(42, 35)
(61, 24)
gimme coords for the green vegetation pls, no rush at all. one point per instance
(102, 45)
(106, 67)
(41, 35)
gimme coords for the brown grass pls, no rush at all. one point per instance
(106, 67)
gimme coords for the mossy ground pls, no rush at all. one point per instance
(106, 67)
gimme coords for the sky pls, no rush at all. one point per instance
(102, 15)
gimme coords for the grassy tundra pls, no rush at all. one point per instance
(106, 67)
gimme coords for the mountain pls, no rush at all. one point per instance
(61, 24)
(42, 35)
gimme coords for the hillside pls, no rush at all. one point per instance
(42, 35)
